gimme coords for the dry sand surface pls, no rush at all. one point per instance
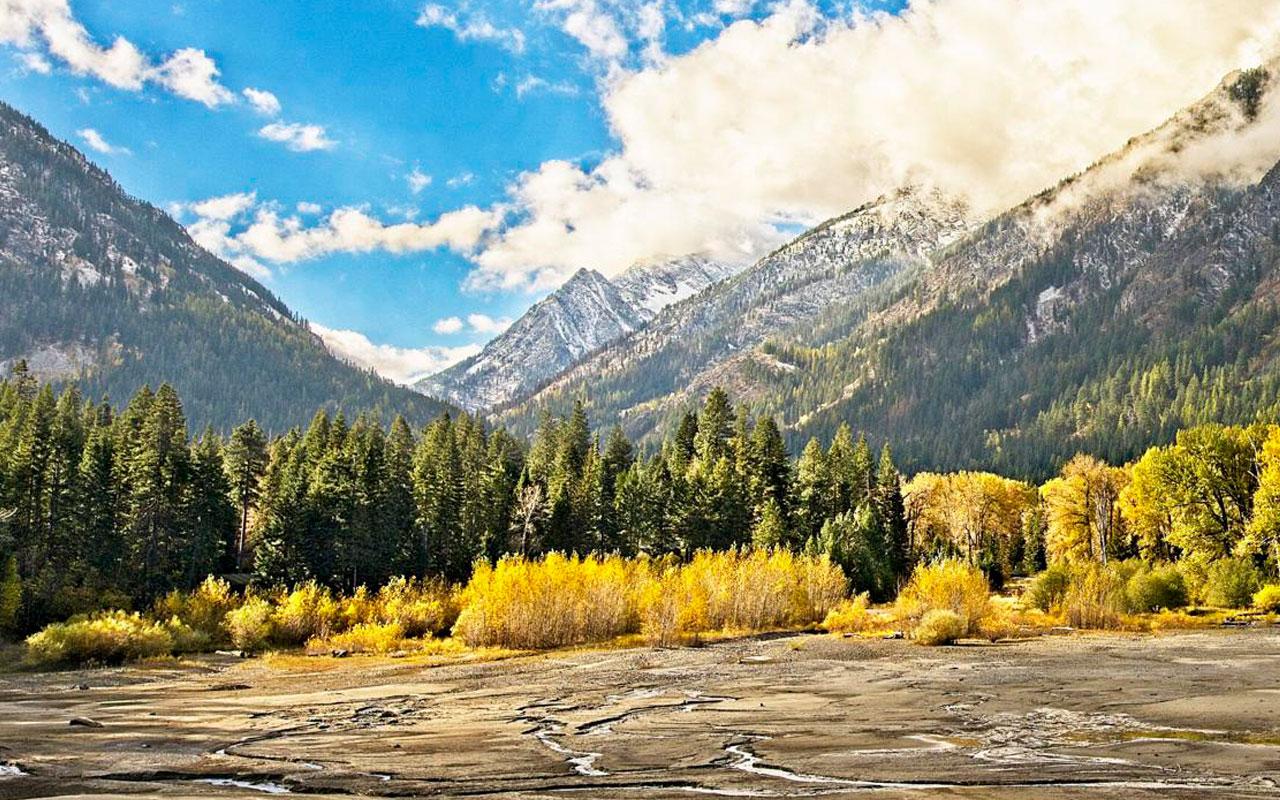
(1116, 716)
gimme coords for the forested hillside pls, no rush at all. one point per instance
(108, 290)
(1102, 315)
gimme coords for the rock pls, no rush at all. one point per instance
(232, 653)
(895, 635)
(81, 687)
(397, 654)
(84, 722)
(339, 653)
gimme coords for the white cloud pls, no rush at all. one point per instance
(34, 62)
(535, 84)
(417, 180)
(263, 102)
(40, 27)
(400, 364)
(471, 26)
(225, 207)
(795, 118)
(191, 74)
(97, 143)
(305, 207)
(734, 8)
(298, 137)
(247, 232)
(593, 27)
(483, 323)
(458, 181)
(448, 325)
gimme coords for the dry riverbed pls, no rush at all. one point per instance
(1192, 714)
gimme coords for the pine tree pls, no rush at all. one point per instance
(211, 516)
(157, 474)
(246, 458)
(891, 516)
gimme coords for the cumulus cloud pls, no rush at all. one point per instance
(262, 101)
(448, 325)
(39, 27)
(190, 73)
(483, 323)
(594, 28)
(402, 365)
(247, 232)
(225, 207)
(99, 144)
(305, 207)
(471, 26)
(796, 117)
(298, 137)
(417, 180)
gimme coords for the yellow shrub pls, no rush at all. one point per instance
(559, 600)
(366, 637)
(562, 600)
(108, 637)
(940, 626)
(949, 585)
(419, 607)
(1095, 598)
(849, 616)
(203, 610)
(1268, 598)
(306, 612)
(250, 626)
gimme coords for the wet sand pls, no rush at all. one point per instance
(1192, 714)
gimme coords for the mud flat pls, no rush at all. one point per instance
(1115, 716)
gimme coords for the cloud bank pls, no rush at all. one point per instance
(399, 364)
(798, 117)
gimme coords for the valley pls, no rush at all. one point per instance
(1189, 714)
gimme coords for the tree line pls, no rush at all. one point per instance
(102, 507)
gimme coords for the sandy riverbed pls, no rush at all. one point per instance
(1178, 715)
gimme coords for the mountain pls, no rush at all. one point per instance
(587, 312)
(1138, 297)
(846, 263)
(104, 289)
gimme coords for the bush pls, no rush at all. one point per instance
(1268, 598)
(1095, 598)
(950, 585)
(250, 626)
(559, 600)
(562, 600)
(1049, 589)
(1155, 588)
(305, 613)
(419, 607)
(108, 638)
(850, 616)
(203, 610)
(940, 626)
(1231, 583)
(366, 637)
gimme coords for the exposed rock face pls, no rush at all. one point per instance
(586, 313)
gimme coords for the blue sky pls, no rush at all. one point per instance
(411, 175)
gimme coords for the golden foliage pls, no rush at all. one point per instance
(1268, 598)
(940, 626)
(250, 626)
(364, 637)
(849, 616)
(950, 585)
(108, 637)
(562, 600)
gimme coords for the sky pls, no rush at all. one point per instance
(411, 176)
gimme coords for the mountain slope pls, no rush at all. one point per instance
(1140, 296)
(587, 312)
(847, 262)
(1136, 298)
(108, 290)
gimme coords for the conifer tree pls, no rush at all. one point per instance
(246, 459)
